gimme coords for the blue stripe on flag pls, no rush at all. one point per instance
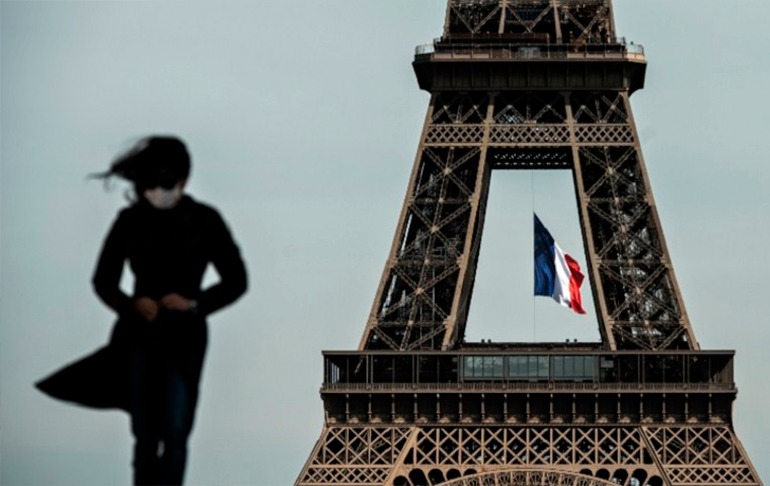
(545, 270)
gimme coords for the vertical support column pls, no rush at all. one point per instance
(423, 297)
(505, 407)
(592, 259)
(684, 320)
(557, 21)
(347, 407)
(503, 12)
(371, 323)
(460, 305)
(550, 407)
(637, 296)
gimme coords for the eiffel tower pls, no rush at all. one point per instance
(528, 84)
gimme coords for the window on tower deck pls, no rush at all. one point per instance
(483, 367)
(574, 368)
(528, 368)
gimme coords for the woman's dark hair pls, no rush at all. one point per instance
(150, 162)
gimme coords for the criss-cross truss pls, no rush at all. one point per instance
(535, 85)
(425, 293)
(525, 455)
(555, 21)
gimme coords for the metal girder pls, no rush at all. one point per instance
(537, 85)
(577, 22)
(556, 455)
(425, 292)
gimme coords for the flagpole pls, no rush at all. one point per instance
(534, 302)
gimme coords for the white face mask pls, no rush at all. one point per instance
(164, 198)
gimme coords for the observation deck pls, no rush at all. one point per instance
(497, 63)
(559, 383)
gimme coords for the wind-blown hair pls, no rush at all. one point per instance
(154, 160)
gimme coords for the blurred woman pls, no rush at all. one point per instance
(152, 365)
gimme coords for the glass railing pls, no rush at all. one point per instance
(516, 369)
(443, 50)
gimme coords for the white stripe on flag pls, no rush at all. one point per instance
(561, 291)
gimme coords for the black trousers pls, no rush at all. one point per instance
(161, 407)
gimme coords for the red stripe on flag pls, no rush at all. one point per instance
(576, 278)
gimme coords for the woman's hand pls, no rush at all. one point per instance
(147, 308)
(177, 302)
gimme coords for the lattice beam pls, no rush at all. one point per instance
(423, 298)
(576, 22)
(455, 454)
(537, 85)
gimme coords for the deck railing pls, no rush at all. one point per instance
(441, 50)
(525, 386)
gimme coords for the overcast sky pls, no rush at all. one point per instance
(303, 119)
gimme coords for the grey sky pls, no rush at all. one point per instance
(303, 119)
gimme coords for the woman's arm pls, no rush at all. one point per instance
(109, 268)
(227, 260)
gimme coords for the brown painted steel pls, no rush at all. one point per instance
(528, 84)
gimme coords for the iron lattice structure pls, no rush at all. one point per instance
(528, 84)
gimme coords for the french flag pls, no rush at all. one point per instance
(557, 274)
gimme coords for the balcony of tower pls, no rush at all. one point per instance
(528, 383)
(499, 62)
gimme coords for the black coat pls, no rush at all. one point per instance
(168, 252)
